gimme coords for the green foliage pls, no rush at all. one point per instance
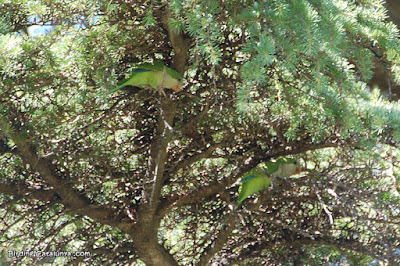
(264, 79)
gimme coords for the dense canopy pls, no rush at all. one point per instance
(142, 177)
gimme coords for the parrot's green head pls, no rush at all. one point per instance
(178, 79)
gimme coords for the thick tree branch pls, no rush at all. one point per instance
(218, 243)
(146, 229)
(179, 43)
(194, 158)
(20, 189)
(71, 198)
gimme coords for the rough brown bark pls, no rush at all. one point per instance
(145, 230)
(381, 77)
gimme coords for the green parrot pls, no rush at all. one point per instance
(156, 76)
(259, 178)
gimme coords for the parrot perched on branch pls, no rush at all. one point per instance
(259, 178)
(156, 76)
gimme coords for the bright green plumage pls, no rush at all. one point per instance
(156, 76)
(259, 178)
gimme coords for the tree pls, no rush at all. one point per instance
(138, 176)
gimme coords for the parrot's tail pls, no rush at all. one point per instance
(115, 89)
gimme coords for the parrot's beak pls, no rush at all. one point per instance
(177, 88)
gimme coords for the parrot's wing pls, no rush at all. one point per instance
(152, 75)
(156, 66)
(259, 178)
(140, 77)
(269, 167)
(130, 80)
(174, 74)
(247, 178)
(159, 66)
(139, 70)
(253, 173)
(252, 186)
